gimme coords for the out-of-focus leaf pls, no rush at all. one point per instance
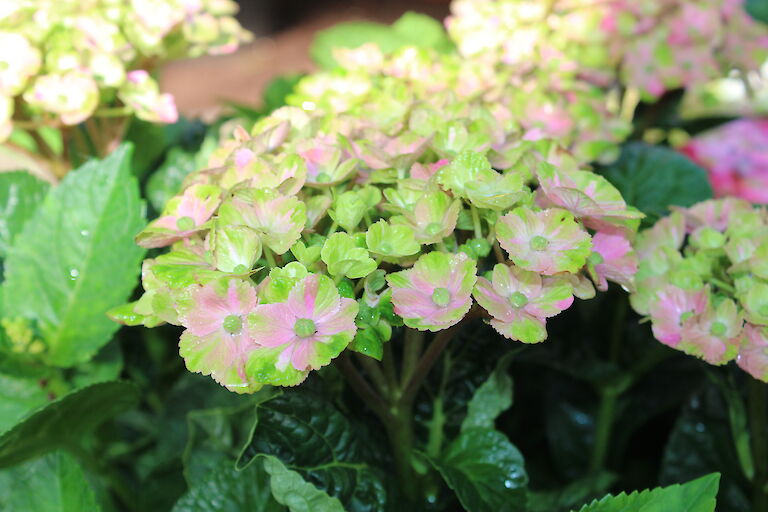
(278, 89)
(64, 421)
(653, 178)
(20, 194)
(52, 483)
(76, 258)
(310, 436)
(758, 9)
(485, 470)
(696, 496)
(577, 492)
(227, 490)
(18, 396)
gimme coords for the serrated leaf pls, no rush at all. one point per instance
(228, 490)
(653, 178)
(290, 489)
(65, 421)
(20, 195)
(696, 496)
(18, 396)
(76, 258)
(52, 483)
(485, 471)
(492, 398)
(310, 436)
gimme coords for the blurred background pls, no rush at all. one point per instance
(283, 31)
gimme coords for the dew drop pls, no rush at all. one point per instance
(509, 484)
(700, 427)
(73, 273)
(85, 232)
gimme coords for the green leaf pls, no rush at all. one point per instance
(758, 9)
(485, 471)
(228, 490)
(76, 258)
(492, 398)
(18, 396)
(696, 496)
(64, 421)
(166, 181)
(290, 489)
(310, 436)
(278, 89)
(52, 483)
(412, 29)
(20, 194)
(653, 178)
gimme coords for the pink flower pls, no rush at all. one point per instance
(736, 157)
(714, 335)
(301, 334)
(617, 260)
(519, 302)
(425, 171)
(753, 355)
(672, 308)
(435, 293)
(215, 341)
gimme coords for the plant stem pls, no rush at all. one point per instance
(603, 427)
(362, 388)
(758, 423)
(388, 361)
(269, 257)
(400, 431)
(476, 222)
(374, 371)
(413, 344)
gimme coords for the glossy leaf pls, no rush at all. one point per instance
(310, 436)
(65, 421)
(76, 258)
(696, 496)
(227, 490)
(652, 178)
(290, 489)
(52, 483)
(492, 398)
(18, 396)
(485, 471)
(20, 195)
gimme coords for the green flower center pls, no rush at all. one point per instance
(323, 177)
(685, 316)
(441, 297)
(539, 243)
(304, 328)
(433, 228)
(518, 300)
(185, 223)
(718, 329)
(233, 324)
(596, 258)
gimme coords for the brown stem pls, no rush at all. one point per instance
(374, 372)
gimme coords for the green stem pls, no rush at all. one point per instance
(476, 222)
(722, 285)
(361, 387)
(374, 371)
(400, 432)
(413, 345)
(758, 423)
(603, 428)
(390, 372)
(269, 257)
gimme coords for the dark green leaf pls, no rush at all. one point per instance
(309, 435)
(577, 492)
(485, 471)
(653, 178)
(368, 341)
(52, 483)
(227, 490)
(701, 443)
(76, 258)
(179, 162)
(18, 396)
(492, 398)
(696, 496)
(758, 9)
(64, 421)
(290, 489)
(20, 194)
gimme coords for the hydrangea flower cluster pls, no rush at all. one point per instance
(650, 45)
(735, 156)
(60, 60)
(703, 282)
(384, 199)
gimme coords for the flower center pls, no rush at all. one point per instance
(518, 300)
(718, 329)
(433, 228)
(685, 316)
(539, 243)
(185, 223)
(441, 296)
(233, 324)
(304, 328)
